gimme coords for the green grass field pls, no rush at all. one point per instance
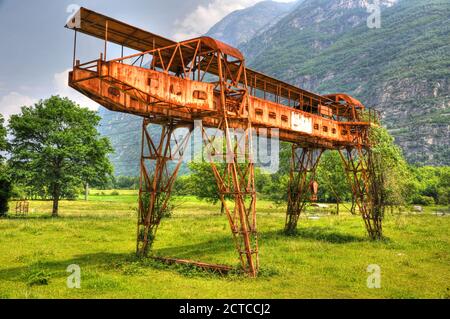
(328, 258)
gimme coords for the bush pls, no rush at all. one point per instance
(114, 193)
(423, 200)
(18, 192)
(444, 196)
(5, 195)
(126, 182)
(183, 186)
(38, 278)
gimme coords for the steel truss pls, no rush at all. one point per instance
(304, 161)
(237, 192)
(366, 179)
(161, 157)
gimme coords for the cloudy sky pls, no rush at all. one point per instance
(36, 50)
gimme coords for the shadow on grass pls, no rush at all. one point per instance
(25, 217)
(64, 217)
(325, 234)
(127, 262)
(58, 268)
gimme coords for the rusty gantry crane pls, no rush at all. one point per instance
(174, 84)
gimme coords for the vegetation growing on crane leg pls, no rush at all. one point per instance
(150, 218)
(388, 176)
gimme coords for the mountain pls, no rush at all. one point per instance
(401, 69)
(124, 132)
(240, 26)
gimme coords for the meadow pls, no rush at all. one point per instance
(327, 258)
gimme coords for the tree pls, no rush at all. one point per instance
(444, 189)
(397, 177)
(126, 182)
(5, 184)
(5, 193)
(275, 185)
(432, 185)
(332, 179)
(56, 148)
(184, 186)
(3, 140)
(203, 182)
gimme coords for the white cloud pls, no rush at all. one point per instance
(203, 17)
(12, 102)
(62, 88)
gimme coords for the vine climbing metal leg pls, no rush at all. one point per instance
(236, 184)
(161, 157)
(304, 163)
(366, 179)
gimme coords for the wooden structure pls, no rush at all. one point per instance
(22, 207)
(174, 84)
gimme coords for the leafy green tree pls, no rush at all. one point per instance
(203, 182)
(5, 184)
(3, 140)
(5, 194)
(184, 186)
(398, 180)
(126, 182)
(432, 185)
(331, 176)
(56, 148)
(275, 185)
(444, 189)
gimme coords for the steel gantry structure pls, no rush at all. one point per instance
(173, 84)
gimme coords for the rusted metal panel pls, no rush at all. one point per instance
(163, 87)
(164, 93)
(221, 46)
(341, 97)
(325, 111)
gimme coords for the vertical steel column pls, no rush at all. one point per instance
(156, 180)
(236, 181)
(74, 48)
(304, 163)
(366, 179)
(237, 193)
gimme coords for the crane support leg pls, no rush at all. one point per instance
(161, 157)
(366, 179)
(236, 186)
(303, 166)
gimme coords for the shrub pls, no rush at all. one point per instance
(444, 196)
(38, 277)
(5, 195)
(423, 200)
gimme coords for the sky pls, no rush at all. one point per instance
(36, 49)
